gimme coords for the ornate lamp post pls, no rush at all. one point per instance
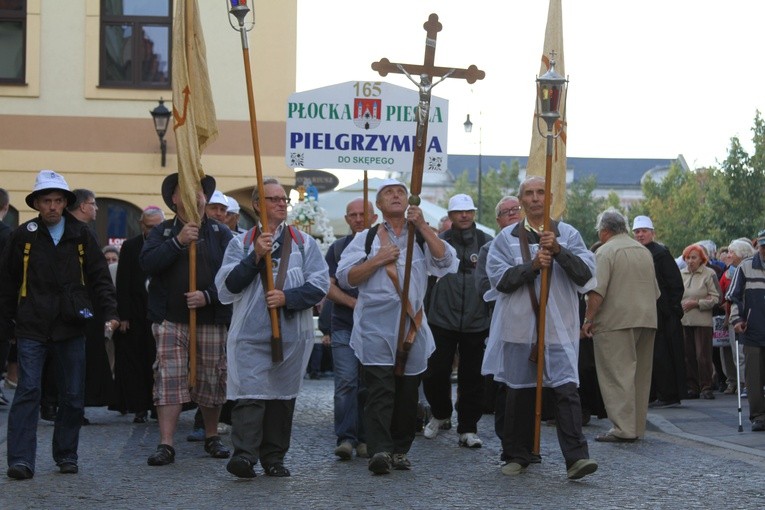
(551, 99)
(161, 117)
(468, 129)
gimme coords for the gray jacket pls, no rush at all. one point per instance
(453, 301)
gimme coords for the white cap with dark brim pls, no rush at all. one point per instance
(388, 183)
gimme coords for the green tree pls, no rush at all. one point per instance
(494, 185)
(582, 209)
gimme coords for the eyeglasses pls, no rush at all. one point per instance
(276, 200)
(508, 212)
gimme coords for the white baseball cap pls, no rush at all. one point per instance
(233, 205)
(642, 222)
(218, 198)
(47, 181)
(461, 202)
(390, 182)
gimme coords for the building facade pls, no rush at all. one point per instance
(79, 78)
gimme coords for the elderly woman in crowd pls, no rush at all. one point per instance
(700, 296)
(738, 250)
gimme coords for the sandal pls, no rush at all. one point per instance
(277, 470)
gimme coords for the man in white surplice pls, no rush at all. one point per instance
(390, 412)
(266, 391)
(513, 333)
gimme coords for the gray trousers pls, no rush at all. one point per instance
(261, 429)
(755, 379)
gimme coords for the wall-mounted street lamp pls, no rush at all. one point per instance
(161, 117)
(468, 129)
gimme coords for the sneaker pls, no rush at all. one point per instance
(344, 450)
(196, 435)
(581, 468)
(361, 451)
(164, 455)
(400, 462)
(743, 392)
(730, 390)
(512, 468)
(470, 440)
(432, 428)
(214, 447)
(381, 463)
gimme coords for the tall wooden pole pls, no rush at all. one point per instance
(277, 351)
(544, 292)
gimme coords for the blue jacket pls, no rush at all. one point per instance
(747, 296)
(161, 250)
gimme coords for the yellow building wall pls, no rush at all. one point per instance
(104, 139)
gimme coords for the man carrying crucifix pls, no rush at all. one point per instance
(513, 265)
(390, 412)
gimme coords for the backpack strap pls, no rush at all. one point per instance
(295, 233)
(23, 290)
(371, 233)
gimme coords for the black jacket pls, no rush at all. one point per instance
(161, 251)
(50, 267)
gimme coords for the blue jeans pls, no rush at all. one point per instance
(69, 363)
(349, 392)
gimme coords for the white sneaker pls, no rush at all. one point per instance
(432, 428)
(470, 440)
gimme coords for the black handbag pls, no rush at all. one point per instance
(75, 306)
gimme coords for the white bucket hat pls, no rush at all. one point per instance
(233, 205)
(47, 181)
(461, 202)
(642, 222)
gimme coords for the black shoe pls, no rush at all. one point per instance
(708, 395)
(381, 463)
(140, 417)
(85, 421)
(164, 455)
(535, 458)
(19, 472)
(215, 448)
(68, 468)
(48, 412)
(692, 395)
(276, 469)
(757, 426)
(241, 467)
(663, 404)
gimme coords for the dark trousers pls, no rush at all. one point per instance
(698, 358)
(261, 429)
(470, 382)
(668, 377)
(518, 440)
(390, 412)
(754, 374)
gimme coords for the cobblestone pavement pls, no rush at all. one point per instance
(663, 470)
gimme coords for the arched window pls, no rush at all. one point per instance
(117, 221)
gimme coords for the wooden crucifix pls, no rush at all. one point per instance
(426, 72)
